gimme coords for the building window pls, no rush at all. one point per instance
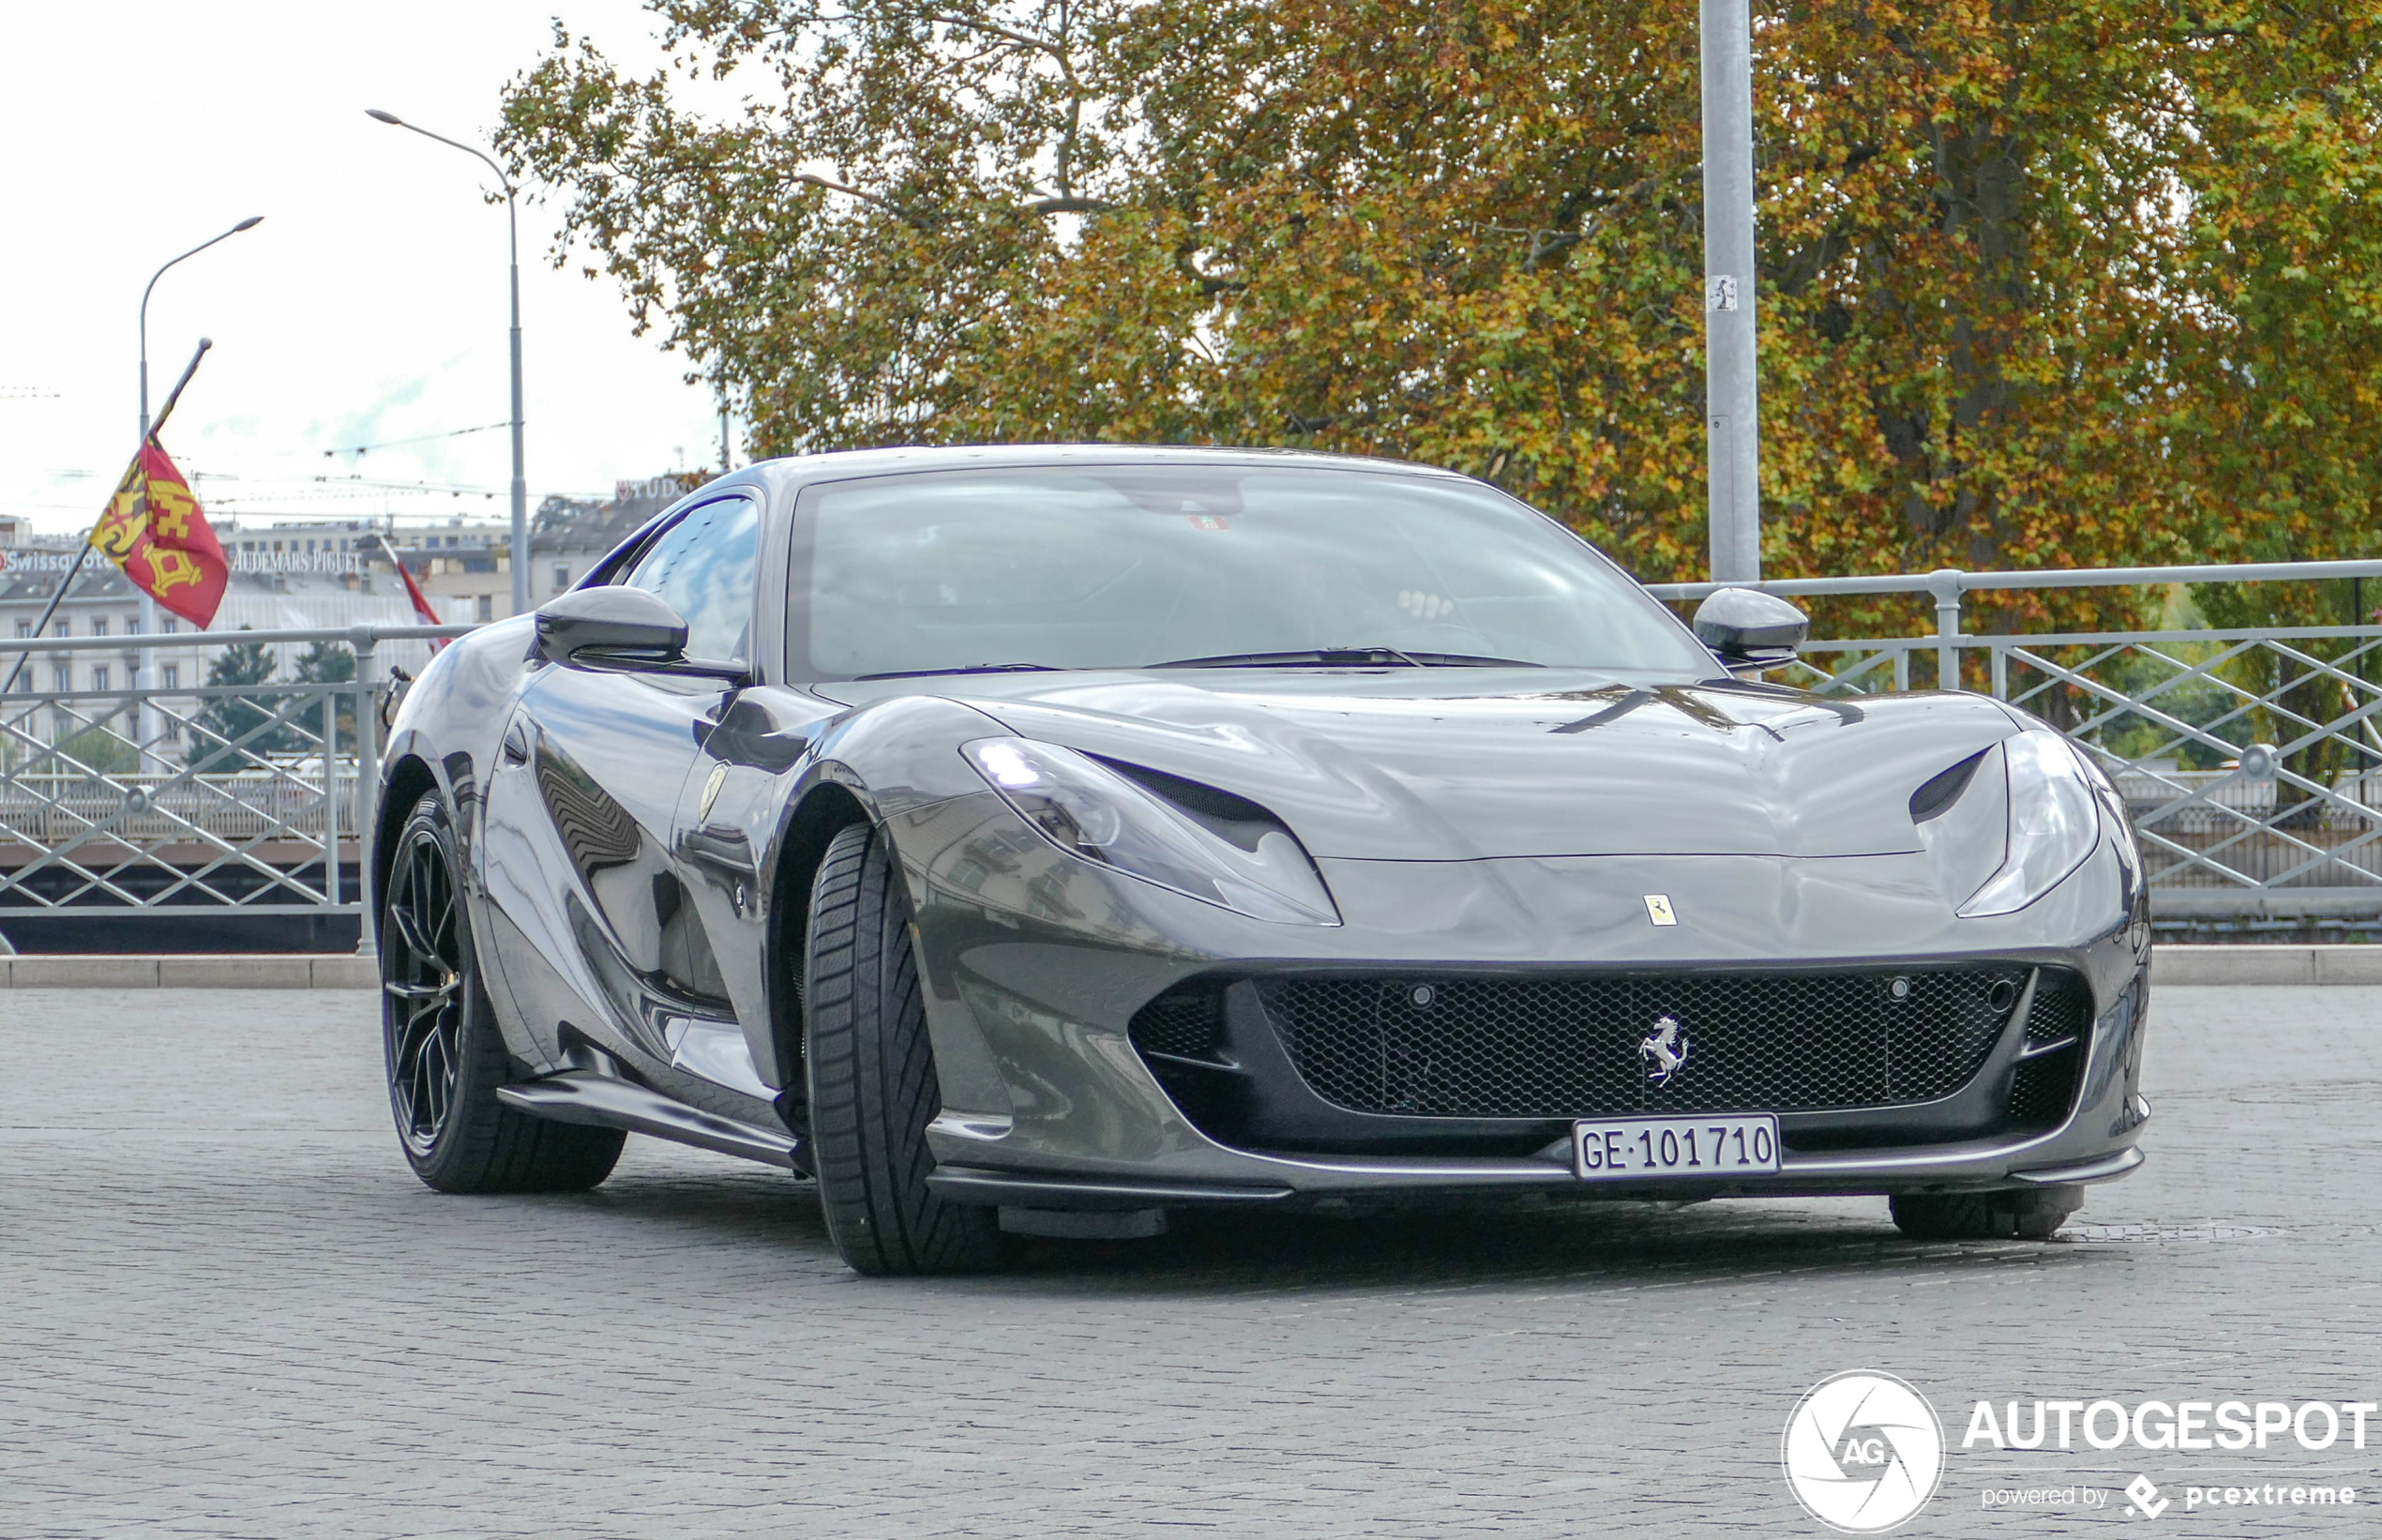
(66, 626)
(100, 676)
(172, 626)
(562, 576)
(173, 674)
(99, 626)
(133, 626)
(66, 680)
(25, 629)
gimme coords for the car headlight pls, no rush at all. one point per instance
(2054, 822)
(1089, 810)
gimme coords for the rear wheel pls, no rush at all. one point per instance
(2011, 1213)
(445, 1056)
(870, 1071)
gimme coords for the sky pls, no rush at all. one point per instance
(368, 307)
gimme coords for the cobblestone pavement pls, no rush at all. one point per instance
(227, 1309)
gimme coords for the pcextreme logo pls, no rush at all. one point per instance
(1863, 1452)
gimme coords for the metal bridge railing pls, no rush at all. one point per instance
(2250, 760)
(203, 800)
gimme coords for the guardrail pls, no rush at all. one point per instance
(193, 801)
(2251, 759)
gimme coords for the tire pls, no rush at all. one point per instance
(444, 1054)
(869, 1072)
(2013, 1214)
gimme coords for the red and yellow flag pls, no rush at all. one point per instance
(154, 530)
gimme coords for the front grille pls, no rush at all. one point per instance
(1442, 1046)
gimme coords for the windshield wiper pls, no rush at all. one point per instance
(1345, 656)
(965, 667)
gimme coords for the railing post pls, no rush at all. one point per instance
(2000, 673)
(327, 696)
(368, 779)
(1944, 583)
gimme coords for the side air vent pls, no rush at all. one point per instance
(2058, 1030)
(1184, 1024)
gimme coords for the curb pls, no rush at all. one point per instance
(274, 970)
(2228, 963)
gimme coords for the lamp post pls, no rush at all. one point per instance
(144, 674)
(513, 237)
(1732, 402)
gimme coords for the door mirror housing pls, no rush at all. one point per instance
(621, 629)
(1749, 630)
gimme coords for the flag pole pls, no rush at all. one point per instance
(176, 394)
(75, 565)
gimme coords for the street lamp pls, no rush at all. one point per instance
(248, 223)
(513, 235)
(144, 674)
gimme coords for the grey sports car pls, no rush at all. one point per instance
(1043, 840)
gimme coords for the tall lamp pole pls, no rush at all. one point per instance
(1732, 399)
(513, 235)
(145, 671)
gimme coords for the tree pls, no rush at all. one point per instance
(2043, 284)
(234, 732)
(327, 663)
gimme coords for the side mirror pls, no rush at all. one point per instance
(610, 627)
(1751, 630)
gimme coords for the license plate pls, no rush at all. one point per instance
(1613, 1149)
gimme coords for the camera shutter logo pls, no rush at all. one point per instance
(1863, 1452)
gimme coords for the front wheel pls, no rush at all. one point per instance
(445, 1056)
(870, 1071)
(2010, 1214)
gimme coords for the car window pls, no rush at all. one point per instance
(702, 567)
(1125, 566)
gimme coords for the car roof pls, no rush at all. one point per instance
(795, 471)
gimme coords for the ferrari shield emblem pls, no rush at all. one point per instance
(1658, 909)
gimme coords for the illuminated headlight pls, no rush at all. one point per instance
(2054, 822)
(1094, 812)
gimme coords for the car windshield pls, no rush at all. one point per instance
(1128, 567)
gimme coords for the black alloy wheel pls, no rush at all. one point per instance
(422, 976)
(444, 1052)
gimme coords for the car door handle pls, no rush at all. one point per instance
(516, 748)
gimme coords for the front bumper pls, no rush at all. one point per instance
(1036, 966)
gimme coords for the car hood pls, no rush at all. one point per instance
(1464, 764)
